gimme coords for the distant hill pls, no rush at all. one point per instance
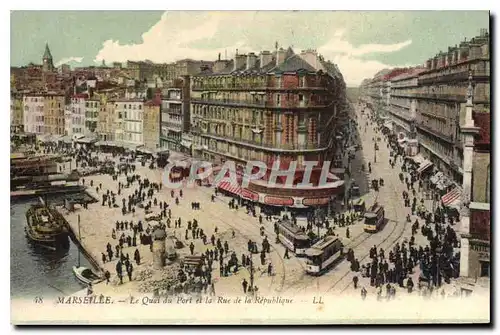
(353, 93)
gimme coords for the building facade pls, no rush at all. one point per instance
(151, 123)
(54, 114)
(476, 216)
(16, 113)
(441, 97)
(34, 116)
(78, 108)
(92, 108)
(402, 109)
(172, 119)
(276, 108)
(106, 120)
(129, 121)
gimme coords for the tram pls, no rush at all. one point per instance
(292, 237)
(374, 218)
(324, 254)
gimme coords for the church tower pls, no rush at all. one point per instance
(47, 65)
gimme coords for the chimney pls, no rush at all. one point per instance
(428, 64)
(280, 56)
(443, 60)
(239, 61)
(265, 58)
(251, 60)
(311, 57)
(219, 65)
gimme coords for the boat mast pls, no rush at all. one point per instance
(79, 236)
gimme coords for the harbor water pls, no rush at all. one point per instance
(38, 272)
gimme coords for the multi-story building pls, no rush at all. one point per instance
(151, 122)
(441, 99)
(276, 108)
(16, 113)
(106, 120)
(402, 109)
(92, 108)
(68, 121)
(476, 217)
(54, 113)
(171, 119)
(33, 105)
(147, 70)
(128, 123)
(78, 107)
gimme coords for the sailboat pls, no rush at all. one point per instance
(83, 274)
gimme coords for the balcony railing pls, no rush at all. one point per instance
(451, 76)
(256, 87)
(258, 103)
(173, 111)
(257, 144)
(436, 133)
(231, 102)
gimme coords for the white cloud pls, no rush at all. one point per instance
(166, 41)
(68, 60)
(172, 38)
(355, 69)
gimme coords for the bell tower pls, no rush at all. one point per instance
(47, 63)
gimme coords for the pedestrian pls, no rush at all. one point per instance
(107, 275)
(130, 268)
(355, 282)
(245, 285)
(119, 271)
(103, 257)
(286, 254)
(90, 291)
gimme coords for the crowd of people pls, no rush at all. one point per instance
(436, 261)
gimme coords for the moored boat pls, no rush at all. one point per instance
(85, 275)
(45, 227)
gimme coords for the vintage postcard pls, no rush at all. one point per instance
(264, 167)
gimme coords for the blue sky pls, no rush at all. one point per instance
(360, 42)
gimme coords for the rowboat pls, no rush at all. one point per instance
(85, 275)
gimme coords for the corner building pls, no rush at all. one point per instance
(273, 107)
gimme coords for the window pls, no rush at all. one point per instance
(302, 81)
(278, 100)
(301, 97)
(140, 106)
(485, 269)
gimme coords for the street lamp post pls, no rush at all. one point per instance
(438, 255)
(252, 288)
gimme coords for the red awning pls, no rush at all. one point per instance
(452, 197)
(228, 187)
(315, 201)
(278, 201)
(249, 195)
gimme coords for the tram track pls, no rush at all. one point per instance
(394, 240)
(398, 237)
(266, 230)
